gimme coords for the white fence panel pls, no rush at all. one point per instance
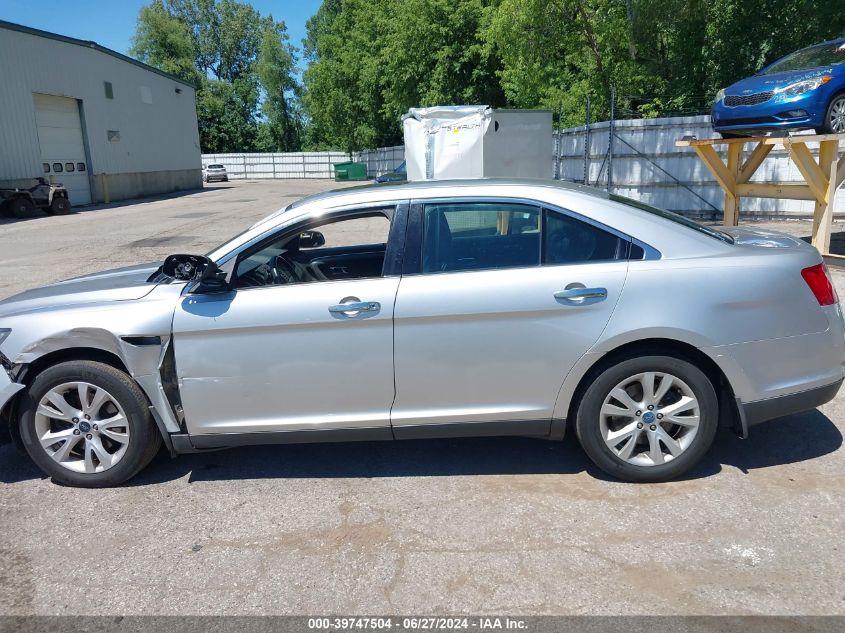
(645, 165)
(648, 167)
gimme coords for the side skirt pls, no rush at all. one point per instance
(543, 429)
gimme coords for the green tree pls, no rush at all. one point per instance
(371, 60)
(164, 41)
(275, 68)
(241, 63)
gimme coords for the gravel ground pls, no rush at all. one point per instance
(460, 526)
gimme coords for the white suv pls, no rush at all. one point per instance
(214, 172)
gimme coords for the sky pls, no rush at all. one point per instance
(111, 23)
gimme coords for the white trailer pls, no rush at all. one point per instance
(476, 142)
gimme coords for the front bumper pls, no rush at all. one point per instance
(763, 410)
(800, 112)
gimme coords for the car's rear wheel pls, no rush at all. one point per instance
(834, 118)
(88, 424)
(649, 418)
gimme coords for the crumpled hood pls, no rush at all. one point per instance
(745, 236)
(120, 284)
(761, 83)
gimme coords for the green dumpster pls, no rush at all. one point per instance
(350, 171)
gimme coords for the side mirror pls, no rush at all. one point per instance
(185, 267)
(311, 239)
(202, 274)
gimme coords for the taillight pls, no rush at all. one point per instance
(820, 283)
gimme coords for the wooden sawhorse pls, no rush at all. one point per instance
(821, 179)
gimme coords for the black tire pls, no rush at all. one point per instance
(144, 437)
(59, 206)
(827, 128)
(21, 208)
(588, 417)
(226, 179)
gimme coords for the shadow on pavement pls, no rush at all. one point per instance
(792, 439)
(115, 205)
(837, 243)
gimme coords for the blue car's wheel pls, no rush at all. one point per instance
(834, 118)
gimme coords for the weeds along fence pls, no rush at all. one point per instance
(636, 158)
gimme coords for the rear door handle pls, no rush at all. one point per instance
(351, 307)
(581, 294)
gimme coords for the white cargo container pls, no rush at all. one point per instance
(477, 141)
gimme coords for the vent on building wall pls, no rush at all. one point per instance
(109, 90)
(113, 135)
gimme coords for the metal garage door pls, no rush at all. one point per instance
(62, 147)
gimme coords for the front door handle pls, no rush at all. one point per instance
(350, 306)
(580, 294)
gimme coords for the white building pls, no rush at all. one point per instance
(106, 126)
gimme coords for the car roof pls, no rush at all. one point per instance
(433, 188)
(588, 202)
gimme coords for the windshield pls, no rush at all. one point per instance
(215, 166)
(674, 217)
(828, 54)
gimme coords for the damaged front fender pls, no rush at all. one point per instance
(8, 390)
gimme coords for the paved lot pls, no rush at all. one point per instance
(462, 526)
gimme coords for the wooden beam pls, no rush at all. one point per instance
(775, 190)
(754, 161)
(714, 163)
(840, 173)
(813, 175)
(823, 215)
(731, 215)
(767, 140)
(696, 142)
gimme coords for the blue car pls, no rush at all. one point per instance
(400, 174)
(804, 90)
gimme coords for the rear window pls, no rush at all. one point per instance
(673, 217)
(828, 54)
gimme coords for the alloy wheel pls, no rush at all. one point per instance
(82, 427)
(836, 120)
(650, 418)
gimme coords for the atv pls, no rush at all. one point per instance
(22, 203)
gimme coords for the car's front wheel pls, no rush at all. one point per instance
(834, 118)
(88, 424)
(649, 418)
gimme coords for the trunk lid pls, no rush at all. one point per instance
(764, 238)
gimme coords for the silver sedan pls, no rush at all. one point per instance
(433, 309)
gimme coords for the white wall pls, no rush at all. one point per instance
(154, 137)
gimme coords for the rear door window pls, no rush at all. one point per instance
(567, 240)
(480, 236)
